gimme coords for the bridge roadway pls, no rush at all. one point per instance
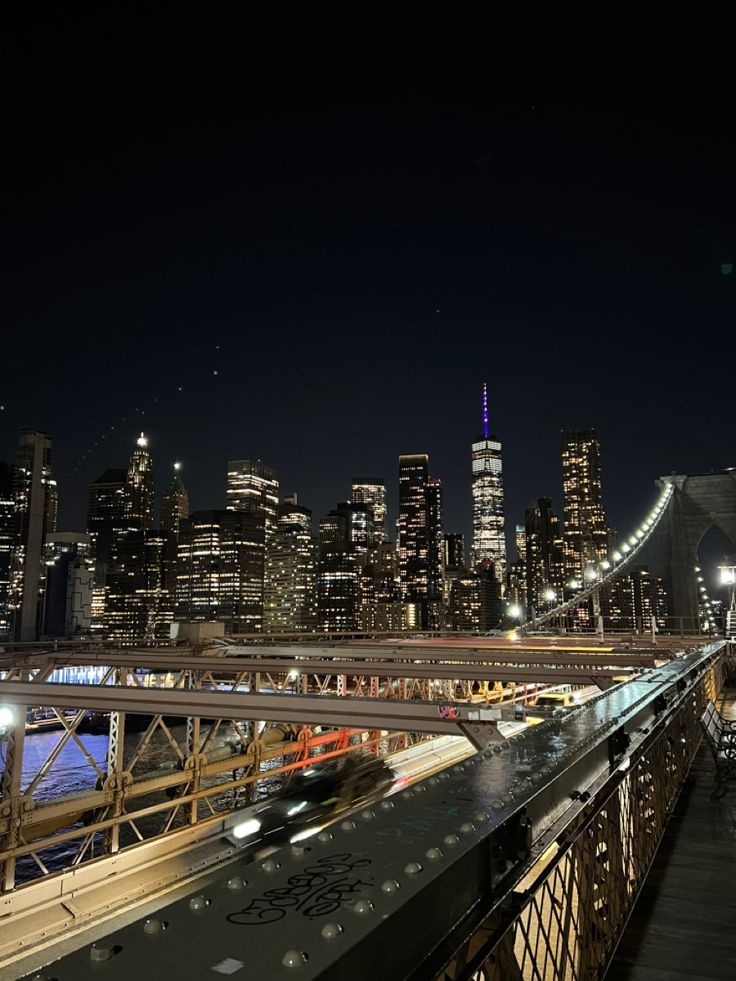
(399, 891)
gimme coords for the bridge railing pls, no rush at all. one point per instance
(523, 861)
(563, 919)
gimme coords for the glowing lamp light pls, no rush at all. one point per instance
(177, 466)
(625, 548)
(7, 717)
(141, 441)
(632, 540)
(728, 576)
(697, 568)
(605, 564)
(549, 595)
(515, 611)
(617, 556)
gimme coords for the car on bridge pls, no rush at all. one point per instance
(316, 796)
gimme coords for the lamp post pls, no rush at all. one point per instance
(728, 578)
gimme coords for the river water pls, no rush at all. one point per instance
(72, 773)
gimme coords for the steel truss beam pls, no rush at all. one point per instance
(531, 854)
(357, 713)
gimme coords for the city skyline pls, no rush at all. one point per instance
(327, 286)
(458, 513)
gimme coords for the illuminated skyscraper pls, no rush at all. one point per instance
(137, 609)
(453, 561)
(420, 543)
(342, 540)
(489, 536)
(412, 527)
(585, 533)
(545, 566)
(139, 489)
(174, 508)
(372, 491)
(7, 541)
(68, 593)
(249, 483)
(454, 550)
(219, 574)
(631, 601)
(106, 512)
(175, 503)
(290, 591)
(516, 590)
(36, 503)
(435, 552)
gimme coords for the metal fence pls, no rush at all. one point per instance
(563, 921)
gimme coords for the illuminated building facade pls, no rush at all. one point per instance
(453, 562)
(7, 541)
(36, 502)
(516, 576)
(475, 600)
(174, 508)
(454, 551)
(544, 557)
(290, 590)
(69, 578)
(250, 483)
(630, 602)
(175, 504)
(106, 512)
(372, 491)
(489, 534)
(379, 593)
(220, 567)
(420, 544)
(585, 534)
(136, 608)
(139, 489)
(337, 576)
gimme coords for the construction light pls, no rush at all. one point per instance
(617, 556)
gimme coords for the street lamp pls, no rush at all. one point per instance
(728, 578)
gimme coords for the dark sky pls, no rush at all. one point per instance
(354, 242)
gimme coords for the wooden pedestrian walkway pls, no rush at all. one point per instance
(683, 927)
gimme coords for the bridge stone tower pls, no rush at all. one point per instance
(698, 504)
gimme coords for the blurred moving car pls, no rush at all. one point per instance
(315, 796)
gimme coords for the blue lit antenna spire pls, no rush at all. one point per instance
(485, 411)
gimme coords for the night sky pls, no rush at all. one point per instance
(317, 256)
